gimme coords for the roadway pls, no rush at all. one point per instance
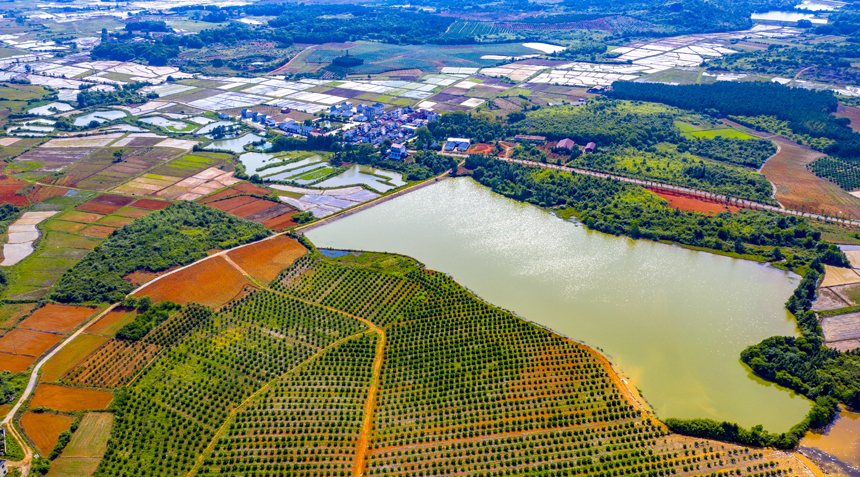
(710, 196)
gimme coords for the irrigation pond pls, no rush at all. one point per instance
(674, 321)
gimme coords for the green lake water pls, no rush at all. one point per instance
(674, 321)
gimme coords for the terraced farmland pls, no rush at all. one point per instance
(369, 364)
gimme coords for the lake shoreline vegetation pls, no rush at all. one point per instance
(804, 364)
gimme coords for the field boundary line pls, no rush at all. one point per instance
(230, 417)
(363, 443)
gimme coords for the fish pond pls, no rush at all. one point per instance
(673, 320)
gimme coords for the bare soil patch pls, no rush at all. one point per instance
(15, 363)
(27, 342)
(212, 282)
(64, 398)
(150, 204)
(694, 204)
(44, 429)
(57, 318)
(265, 260)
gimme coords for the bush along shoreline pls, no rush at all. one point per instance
(803, 364)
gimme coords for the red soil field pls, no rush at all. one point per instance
(694, 204)
(69, 357)
(109, 324)
(228, 205)
(224, 194)
(212, 282)
(15, 363)
(265, 260)
(27, 342)
(8, 188)
(96, 208)
(249, 188)
(480, 148)
(57, 318)
(281, 222)
(44, 429)
(63, 398)
(251, 208)
(150, 204)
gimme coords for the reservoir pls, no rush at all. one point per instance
(672, 320)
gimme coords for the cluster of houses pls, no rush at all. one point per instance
(344, 111)
(289, 126)
(397, 126)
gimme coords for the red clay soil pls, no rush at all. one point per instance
(480, 148)
(142, 276)
(9, 187)
(252, 208)
(64, 398)
(248, 188)
(212, 283)
(228, 205)
(224, 194)
(150, 204)
(57, 318)
(96, 208)
(265, 260)
(27, 342)
(852, 113)
(44, 429)
(694, 204)
(15, 363)
(798, 188)
(281, 222)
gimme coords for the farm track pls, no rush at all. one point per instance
(7, 421)
(658, 186)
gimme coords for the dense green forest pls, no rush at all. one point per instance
(177, 235)
(805, 112)
(460, 124)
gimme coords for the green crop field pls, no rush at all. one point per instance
(369, 364)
